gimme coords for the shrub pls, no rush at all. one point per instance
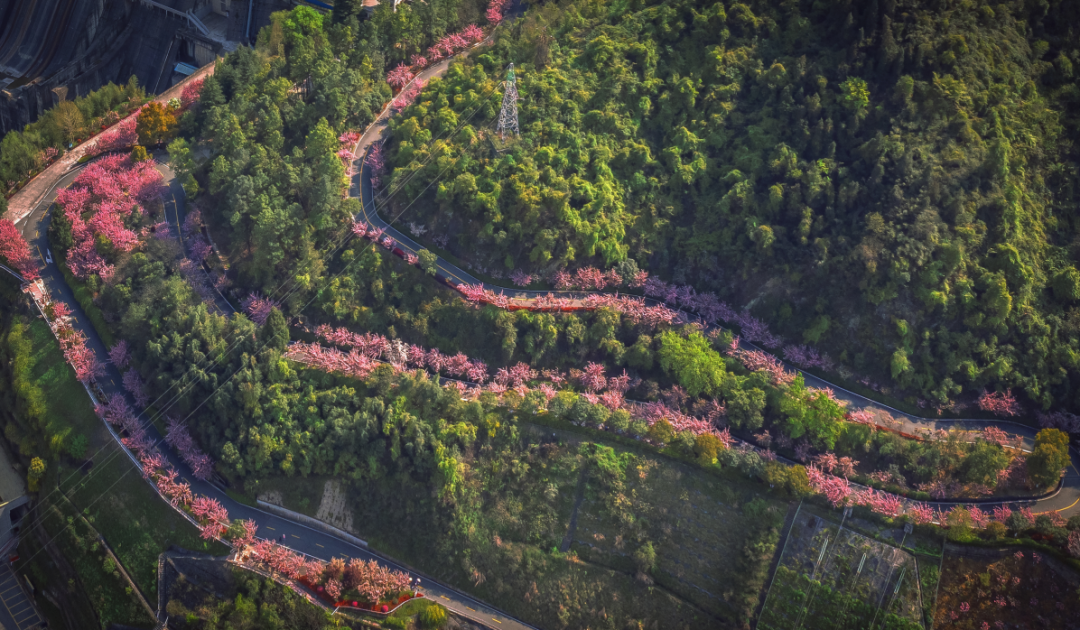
(645, 558)
(433, 616)
(661, 433)
(996, 530)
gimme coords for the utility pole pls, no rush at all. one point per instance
(508, 119)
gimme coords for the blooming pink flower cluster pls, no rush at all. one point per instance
(920, 513)
(757, 330)
(844, 466)
(759, 360)
(190, 93)
(408, 96)
(166, 478)
(839, 492)
(1068, 422)
(120, 136)
(199, 282)
(349, 139)
(120, 354)
(1015, 475)
(117, 413)
(180, 440)
(372, 581)
(399, 76)
(862, 416)
(112, 189)
(520, 278)
(15, 249)
(354, 363)
(807, 357)
(376, 166)
(451, 44)
(586, 278)
(258, 307)
(372, 347)
(78, 355)
(940, 488)
(213, 516)
(653, 412)
(496, 10)
(979, 518)
(198, 247)
(999, 403)
(635, 309)
(367, 348)
(135, 386)
(997, 436)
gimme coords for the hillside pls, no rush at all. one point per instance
(894, 182)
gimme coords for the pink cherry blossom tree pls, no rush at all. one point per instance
(180, 440)
(16, 251)
(120, 354)
(258, 307)
(399, 76)
(999, 403)
(496, 11)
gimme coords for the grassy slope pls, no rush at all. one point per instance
(521, 572)
(125, 510)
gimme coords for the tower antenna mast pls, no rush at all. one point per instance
(508, 118)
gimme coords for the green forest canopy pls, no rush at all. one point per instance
(900, 173)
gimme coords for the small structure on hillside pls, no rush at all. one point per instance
(14, 504)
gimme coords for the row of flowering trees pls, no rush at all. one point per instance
(366, 579)
(112, 191)
(368, 349)
(80, 356)
(446, 47)
(180, 440)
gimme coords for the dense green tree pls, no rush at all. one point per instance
(1049, 457)
(692, 362)
(856, 172)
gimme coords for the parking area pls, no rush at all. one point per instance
(16, 612)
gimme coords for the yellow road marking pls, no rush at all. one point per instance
(445, 597)
(40, 254)
(294, 535)
(472, 609)
(495, 620)
(318, 545)
(1061, 510)
(268, 527)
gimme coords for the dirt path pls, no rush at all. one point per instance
(579, 496)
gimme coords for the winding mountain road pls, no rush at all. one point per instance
(33, 223)
(34, 227)
(1066, 499)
